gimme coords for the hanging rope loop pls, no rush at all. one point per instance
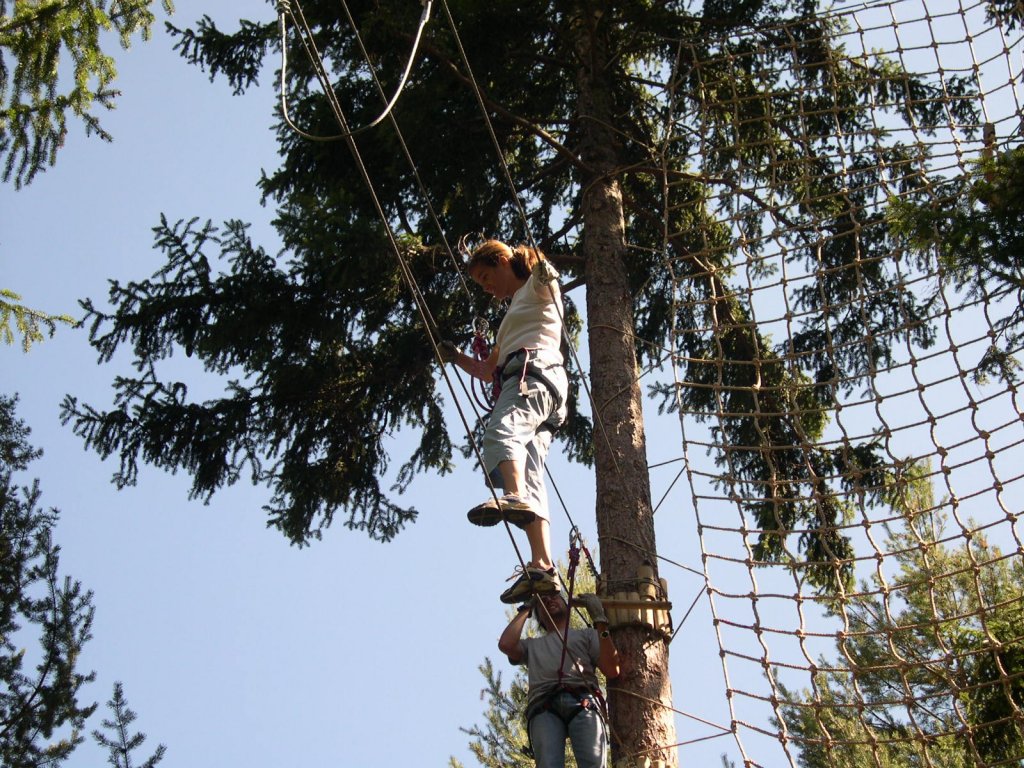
(306, 36)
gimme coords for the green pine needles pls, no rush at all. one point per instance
(38, 38)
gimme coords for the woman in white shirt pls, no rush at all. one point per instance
(527, 361)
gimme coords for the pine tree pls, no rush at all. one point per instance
(29, 323)
(936, 654)
(122, 744)
(38, 38)
(41, 717)
(973, 224)
(500, 740)
(329, 354)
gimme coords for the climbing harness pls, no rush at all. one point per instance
(586, 699)
(530, 370)
(583, 703)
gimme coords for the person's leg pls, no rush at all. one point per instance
(503, 451)
(538, 534)
(523, 473)
(504, 439)
(516, 434)
(512, 477)
(514, 451)
(547, 739)
(586, 732)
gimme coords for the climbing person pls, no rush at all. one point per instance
(527, 363)
(563, 694)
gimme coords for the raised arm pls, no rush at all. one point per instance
(545, 280)
(511, 641)
(608, 656)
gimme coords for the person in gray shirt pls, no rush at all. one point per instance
(563, 701)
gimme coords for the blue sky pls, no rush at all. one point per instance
(234, 647)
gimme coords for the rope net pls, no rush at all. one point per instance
(842, 365)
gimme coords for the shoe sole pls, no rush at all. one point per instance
(487, 514)
(537, 586)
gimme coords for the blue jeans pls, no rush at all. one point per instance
(548, 733)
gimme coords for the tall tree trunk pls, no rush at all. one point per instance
(642, 725)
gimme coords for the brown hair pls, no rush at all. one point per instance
(522, 257)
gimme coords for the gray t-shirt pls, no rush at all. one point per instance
(542, 654)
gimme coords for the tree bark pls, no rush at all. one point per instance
(642, 722)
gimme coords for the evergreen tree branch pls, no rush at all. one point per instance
(28, 322)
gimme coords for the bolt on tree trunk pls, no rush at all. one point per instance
(642, 726)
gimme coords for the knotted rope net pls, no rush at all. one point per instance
(847, 313)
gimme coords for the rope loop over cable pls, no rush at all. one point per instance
(285, 9)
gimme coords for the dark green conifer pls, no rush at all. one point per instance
(52, 68)
(45, 619)
(121, 743)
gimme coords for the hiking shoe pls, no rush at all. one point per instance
(532, 581)
(486, 514)
(510, 508)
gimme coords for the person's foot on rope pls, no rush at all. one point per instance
(508, 507)
(531, 581)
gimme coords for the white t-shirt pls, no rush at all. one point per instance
(533, 321)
